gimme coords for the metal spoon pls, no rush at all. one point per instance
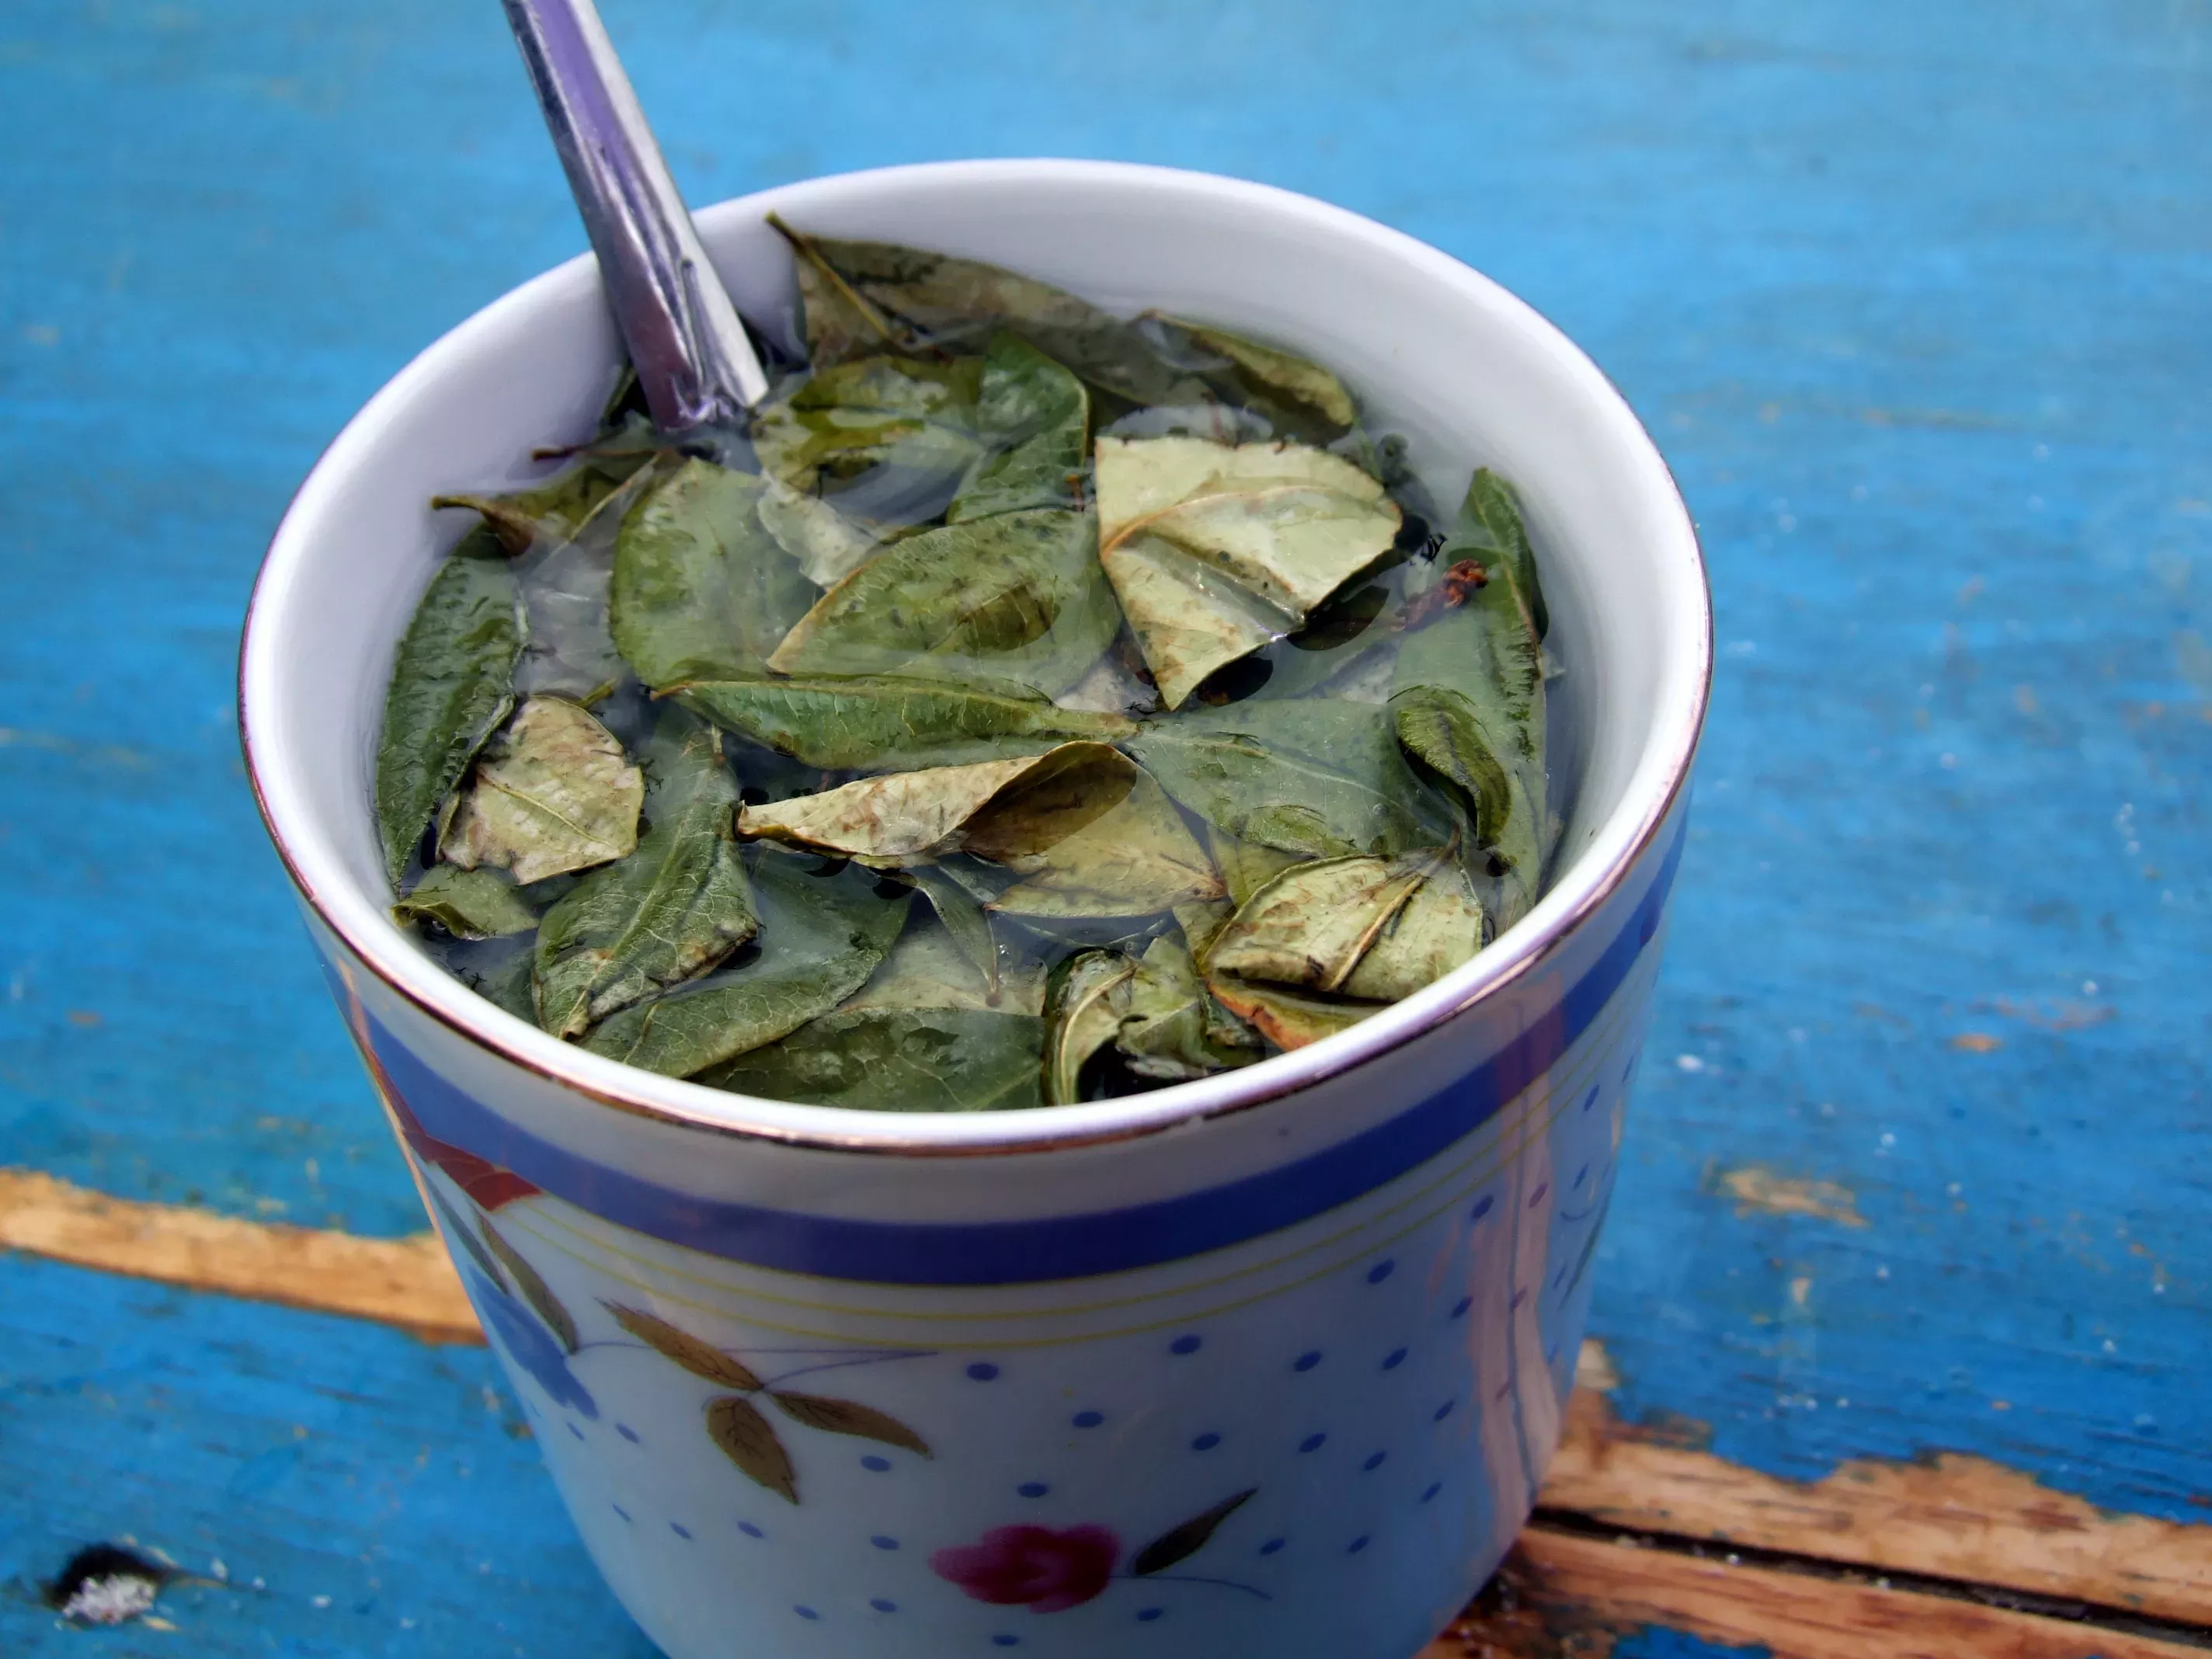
(694, 362)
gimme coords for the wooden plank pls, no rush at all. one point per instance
(407, 1282)
(1562, 1596)
(334, 1487)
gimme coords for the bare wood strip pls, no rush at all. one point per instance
(1955, 1517)
(406, 1282)
(1559, 1594)
(1951, 1517)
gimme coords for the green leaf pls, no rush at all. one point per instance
(565, 587)
(965, 924)
(1085, 1000)
(466, 904)
(1289, 1019)
(1248, 866)
(1035, 416)
(1214, 550)
(1277, 376)
(451, 688)
(1313, 777)
(505, 983)
(1439, 927)
(1471, 685)
(862, 296)
(831, 1416)
(551, 513)
(702, 589)
(932, 967)
(1168, 1033)
(995, 809)
(1017, 597)
(1179, 1543)
(827, 546)
(1312, 925)
(748, 1440)
(672, 908)
(898, 1060)
(553, 791)
(820, 937)
(698, 1358)
(1137, 858)
(844, 419)
(881, 722)
(535, 1291)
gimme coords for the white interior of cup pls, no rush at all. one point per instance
(1468, 373)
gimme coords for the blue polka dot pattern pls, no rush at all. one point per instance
(1206, 1442)
(1186, 1345)
(882, 1606)
(1445, 1410)
(1380, 1271)
(1374, 1462)
(884, 1543)
(1003, 1640)
(1146, 1615)
(1307, 1361)
(805, 1613)
(1273, 1545)
(1435, 1486)
(983, 1370)
(1394, 1358)
(1313, 1442)
(1482, 1206)
(1033, 1489)
(679, 1528)
(1460, 1307)
(751, 1530)
(875, 1464)
(1358, 1545)
(1088, 1419)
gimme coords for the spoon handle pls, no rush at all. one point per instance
(693, 359)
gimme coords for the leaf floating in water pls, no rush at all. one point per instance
(555, 511)
(1035, 416)
(698, 1358)
(964, 922)
(1312, 924)
(820, 938)
(929, 969)
(1085, 1000)
(467, 904)
(881, 722)
(748, 1439)
(1289, 1019)
(1214, 551)
(899, 1060)
(1136, 860)
(702, 589)
(1256, 771)
(827, 546)
(1168, 1034)
(860, 296)
(832, 1416)
(449, 692)
(1275, 374)
(554, 792)
(1018, 597)
(876, 412)
(672, 908)
(996, 809)
(1440, 928)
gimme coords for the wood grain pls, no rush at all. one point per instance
(1564, 1596)
(407, 1282)
(1949, 1517)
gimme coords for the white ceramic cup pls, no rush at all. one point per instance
(1270, 1362)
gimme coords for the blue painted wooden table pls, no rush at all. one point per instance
(1905, 1303)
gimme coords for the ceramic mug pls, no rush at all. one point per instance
(1272, 1362)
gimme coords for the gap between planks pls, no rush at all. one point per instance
(1952, 1517)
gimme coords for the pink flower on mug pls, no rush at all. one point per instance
(1036, 1567)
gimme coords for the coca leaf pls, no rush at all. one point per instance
(553, 792)
(1085, 999)
(1035, 417)
(467, 904)
(1136, 860)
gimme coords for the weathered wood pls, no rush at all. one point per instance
(1563, 1596)
(407, 1282)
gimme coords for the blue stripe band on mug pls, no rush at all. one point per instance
(1042, 1248)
